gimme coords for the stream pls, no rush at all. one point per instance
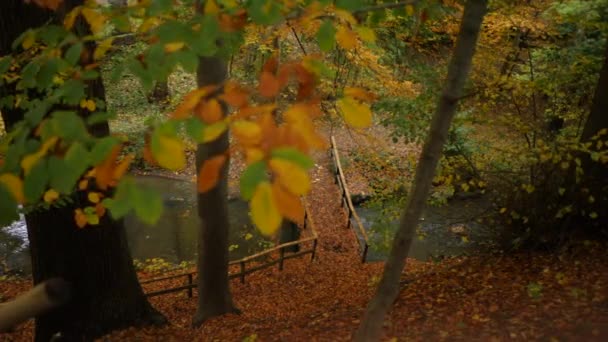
(173, 238)
(448, 230)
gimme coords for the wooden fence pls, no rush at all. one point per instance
(243, 270)
(347, 202)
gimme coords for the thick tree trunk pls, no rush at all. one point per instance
(96, 261)
(106, 294)
(388, 289)
(214, 296)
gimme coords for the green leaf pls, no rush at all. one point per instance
(69, 125)
(265, 12)
(351, 5)
(5, 64)
(72, 91)
(251, 177)
(148, 204)
(121, 203)
(101, 149)
(58, 175)
(326, 36)
(99, 117)
(28, 75)
(36, 181)
(293, 155)
(8, 207)
(195, 128)
(72, 55)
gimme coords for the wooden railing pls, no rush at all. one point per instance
(340, 179)
(242, 263)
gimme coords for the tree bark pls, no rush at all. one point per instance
(106, 294)
(214, 296)
(598, 117)
(388, 289)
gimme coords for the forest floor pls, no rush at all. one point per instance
(502, 297)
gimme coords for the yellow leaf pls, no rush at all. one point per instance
(503, 210)
(346, 38)
(172, 47)
(94, 197)
(83, 184)
(102, 48)
(29, 40)
(211, 7)
(253, 155)
(291, 176)
(248, 236)
(248, 133)
(299, 118)
(366, 34)
(359, 94)
(212, 132)
(50, 196)
(356, 114)
(289, 205)
(149, 24)
(14, 184)
(409, 10)
(346, 16)
(171, 153)
(70, 18)
(95, 19)
(264, 213)
(88, 104)
(28, 161)
(209, 174)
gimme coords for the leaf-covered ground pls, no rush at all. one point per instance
(539, 296)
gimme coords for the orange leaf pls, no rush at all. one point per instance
(100, 210)
(235, 95)
(271, 64)
(104, 172)
(190, 101)
(288, 204)
(80, 218)
(285, 71)
(209, 174)
(269, 85)
(50, 4)
(209, 111)
(123, 166)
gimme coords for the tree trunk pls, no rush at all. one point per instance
(598, 117)
(214, 296)
(160, 93)
(96, 261)
(388, 289)
(106, 294)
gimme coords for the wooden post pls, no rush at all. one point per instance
(242, 272)
(190, 283)
(364, 257)
(314, 250)
(282, 254)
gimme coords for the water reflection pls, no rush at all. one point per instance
(443, 231)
